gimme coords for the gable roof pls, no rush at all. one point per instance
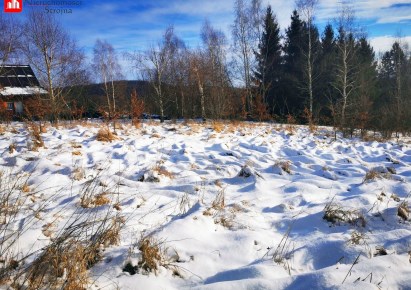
(19, 80)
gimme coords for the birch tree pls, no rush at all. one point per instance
(154, 65)
(107, 70)
(345, 82)
(54, 55)
(246, 31)
(306, 9)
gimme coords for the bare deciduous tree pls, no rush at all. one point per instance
(155, 66)
(10, 35)
(345, 82)
(246, 28)
(214, 42)
(107, 70)
(306, 8)
(54, 55)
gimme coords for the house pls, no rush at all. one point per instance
(17, 84)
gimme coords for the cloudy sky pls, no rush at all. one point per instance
(134, 24)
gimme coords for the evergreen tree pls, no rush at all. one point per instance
(394, 86)
(268, 73)
(292, 101)
(325, 90)
(364, 95)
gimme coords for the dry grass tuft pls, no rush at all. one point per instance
(371, 175)
(101, 199)
(155, 135)
(90, 201)
(358, 238)
(25, 188)
(76, 145)
(403, 210)
(377, 173)
(60, 267)
(373, 138)
(105, 135)
(2, 130)
(217, 126)
(336, 214)
(76, 153)
(219, 201)
(65, 262)
(78, 173)
(151, 255)
(12, 148)
(161, 170)
(35, 133)
(284, 165)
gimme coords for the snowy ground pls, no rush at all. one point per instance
(240, 208)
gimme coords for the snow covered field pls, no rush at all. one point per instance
(216, 206)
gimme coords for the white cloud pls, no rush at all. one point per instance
(382, 44)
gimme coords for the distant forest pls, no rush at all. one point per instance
(330, 77)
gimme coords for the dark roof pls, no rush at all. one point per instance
(18, 76)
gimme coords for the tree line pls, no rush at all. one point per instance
(331, 77)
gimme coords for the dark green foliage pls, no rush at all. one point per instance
(326, 92)
(292, 102)
(268, 73)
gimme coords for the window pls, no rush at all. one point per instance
(10, 106)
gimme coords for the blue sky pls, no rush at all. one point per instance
(134, 24)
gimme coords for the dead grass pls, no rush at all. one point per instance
(284, 165)
(36, 139)
(92, 201)
(336, 214)
(101, 199)
(12, 148)
(162, 170)
(78, 173)
(358, 238)
(2, 130)
(403, 210)
(373, 138)
(76, 153)
(76, 145)
(65, 262)
(217, 126)
(25, 188)
(105, 135)
(218, 203)
(374, 174)
(155, 135)
(60, 266)
(151, 255)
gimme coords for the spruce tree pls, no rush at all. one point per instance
(394, 87)
(292, 100)
(365, 93)
(326, 91)
(268, 72)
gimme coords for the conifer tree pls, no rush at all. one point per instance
(268, 72)
(292, 102)
(326, 92)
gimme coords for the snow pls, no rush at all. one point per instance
(14, 91)
(267, 232)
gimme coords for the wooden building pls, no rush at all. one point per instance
(17, 84)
